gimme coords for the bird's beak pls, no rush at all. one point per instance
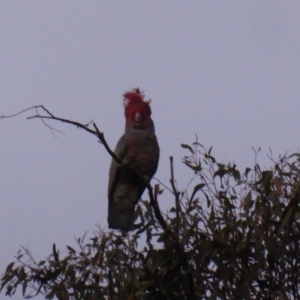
(138, 117)
(138, 120)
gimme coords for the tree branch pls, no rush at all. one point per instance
(155, 206)
(176, 194)
(100, 135)
(52, 117)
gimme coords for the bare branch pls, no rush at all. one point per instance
(172, 181)
(100, 135)
(155, 206)
(20, 112)
(64, 121)
(49, 116)
(176, 194)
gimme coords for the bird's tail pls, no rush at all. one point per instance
(118, 218)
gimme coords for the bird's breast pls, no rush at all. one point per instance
(142, 152)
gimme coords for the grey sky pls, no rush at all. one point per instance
(228, 71)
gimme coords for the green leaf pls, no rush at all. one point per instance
(236, 174)
(248, 202)
(221, 171)
(197, 188)
(210, 157)
(185, 146)
(208, 201)
(21, 273)
(294, 168)
(55, 253)
(286, 219)
(266, 180)
(24, 287)
(227, 203)
(247, 170)
(172, 210)
(9, 267)
(294, 154)
(41, 263)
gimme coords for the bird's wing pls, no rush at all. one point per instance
(120, 152)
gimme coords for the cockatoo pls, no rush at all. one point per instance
(138, 149)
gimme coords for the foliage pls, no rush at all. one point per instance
(235, 235)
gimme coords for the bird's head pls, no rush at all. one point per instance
(137, 111)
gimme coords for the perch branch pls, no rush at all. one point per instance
(100, 135)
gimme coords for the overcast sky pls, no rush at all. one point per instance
(228, 71)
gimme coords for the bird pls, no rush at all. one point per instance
(138, 150)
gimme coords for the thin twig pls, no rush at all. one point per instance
(20, 112)
(161, 183)
(64, 121)
(52, 129)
